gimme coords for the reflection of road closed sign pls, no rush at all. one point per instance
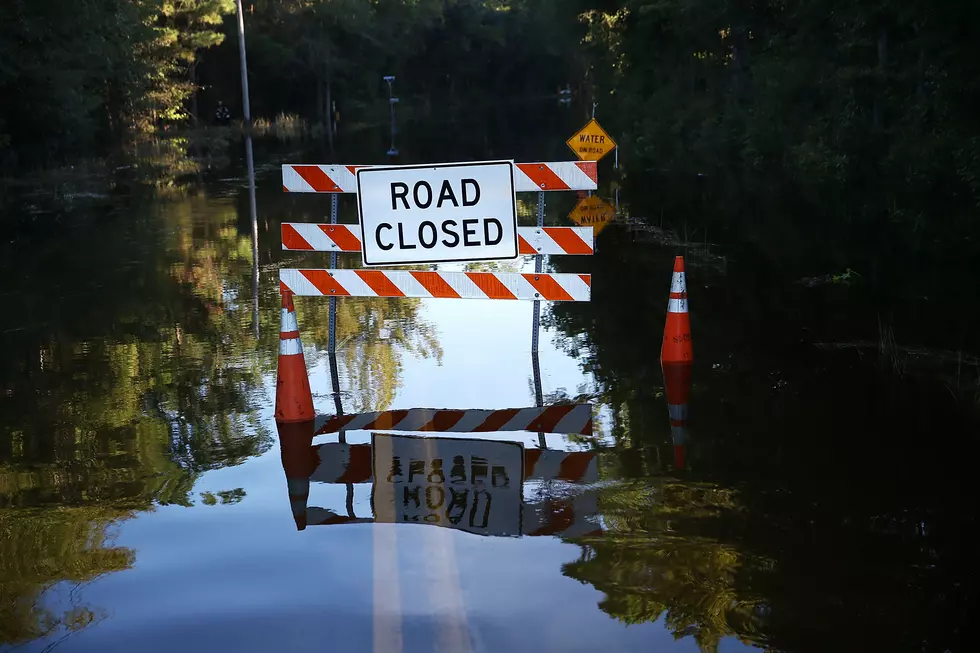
(592, 212)
(429, 214)
(470, 485)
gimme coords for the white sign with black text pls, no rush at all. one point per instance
(465, 484)
(437, 213)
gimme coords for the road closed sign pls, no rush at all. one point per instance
(437, 213)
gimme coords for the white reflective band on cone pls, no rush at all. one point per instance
(678, 435)
(288, 321)
(298, 487)
(678, 412)
(290, 347)
(677, 306)
(678, 283)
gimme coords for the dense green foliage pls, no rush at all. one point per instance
(831, 135)
(77, 77)
(139, 64)
(121, 384)
(820, 136)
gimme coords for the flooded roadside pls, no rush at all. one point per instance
(823, 502)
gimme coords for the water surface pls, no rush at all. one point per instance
(824, 504)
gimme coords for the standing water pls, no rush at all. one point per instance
(147, 502)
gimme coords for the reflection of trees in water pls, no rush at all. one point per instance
(651, 566)
(372, 337)
(40, 548)
(129, 368)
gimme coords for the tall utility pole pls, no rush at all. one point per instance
(253, 210)
(246, 109)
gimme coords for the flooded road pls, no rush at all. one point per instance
(148, 502)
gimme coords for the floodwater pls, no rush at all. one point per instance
(147, 501)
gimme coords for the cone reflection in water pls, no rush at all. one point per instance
(677, 383)
(294, 400)
(676, 346)
(299, 460)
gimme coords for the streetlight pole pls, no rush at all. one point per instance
(392, 101)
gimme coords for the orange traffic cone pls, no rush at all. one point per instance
(299, 461)
(677, 334)
(677, 383)
(294, 401)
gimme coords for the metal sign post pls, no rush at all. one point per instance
(536, 326)
(333, 300)
(538, 264)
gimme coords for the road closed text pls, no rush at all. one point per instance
(426, 214)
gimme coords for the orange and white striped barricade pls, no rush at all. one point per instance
(569, 466)
(560, 418)
(352, 463)
(528, 177)
(427, 285)
(340, 462)
(537, 286)
(314, 237)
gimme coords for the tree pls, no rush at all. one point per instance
(186, 28)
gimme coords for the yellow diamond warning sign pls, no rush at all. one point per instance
(591, 143)
(592, 212)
